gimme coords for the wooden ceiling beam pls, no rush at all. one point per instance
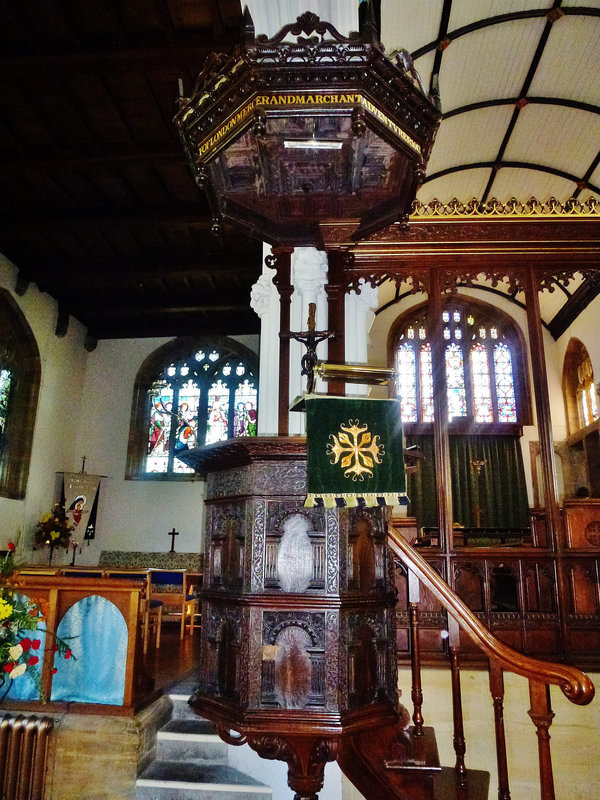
(94, 156)
(181, 53)
(115, 216)
(240, 323)
(99, 276)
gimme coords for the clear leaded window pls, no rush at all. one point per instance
(5, 383)
(480, 353)
(586, 392)
(209, 397)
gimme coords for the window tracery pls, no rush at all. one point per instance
(483, 362)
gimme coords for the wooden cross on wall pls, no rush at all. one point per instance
(173, 534)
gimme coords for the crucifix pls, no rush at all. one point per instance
(173, 534)
(310, 339)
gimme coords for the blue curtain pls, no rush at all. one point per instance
(100, 649)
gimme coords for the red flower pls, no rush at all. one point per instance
(25, 643)
(68, 652)
(55, 648)
(11, 547)
(36, 644)
(32, 660)
(54, 671)
(8, 667)
(5, 624)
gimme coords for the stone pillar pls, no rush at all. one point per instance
(309, 277)
(269, 298)
(265, 302)
(359, 316)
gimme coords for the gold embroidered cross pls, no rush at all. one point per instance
(358, 449)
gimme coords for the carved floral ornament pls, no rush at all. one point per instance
(512, 208)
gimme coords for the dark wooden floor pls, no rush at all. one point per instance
(175, 659)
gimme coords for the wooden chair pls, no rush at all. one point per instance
(170, 587)
(193, 613)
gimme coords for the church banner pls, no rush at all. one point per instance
(355, 452)
(80, 492)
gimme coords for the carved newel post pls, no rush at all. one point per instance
(298, 633)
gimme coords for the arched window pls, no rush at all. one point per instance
(484, 365)
(20, 374)
(579, 389)
(190, 393)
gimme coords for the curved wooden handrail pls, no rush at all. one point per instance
(574, 684)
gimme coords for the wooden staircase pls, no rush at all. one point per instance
(402, 761)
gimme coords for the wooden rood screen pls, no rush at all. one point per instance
(62, 593)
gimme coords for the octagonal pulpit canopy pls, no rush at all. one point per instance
(286, 136)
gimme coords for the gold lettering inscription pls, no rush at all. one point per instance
(241, 115)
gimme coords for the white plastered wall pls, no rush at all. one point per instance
(84, 409)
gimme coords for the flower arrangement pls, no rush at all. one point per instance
(20, 620)
(54, 529)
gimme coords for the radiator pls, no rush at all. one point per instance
(23, 751)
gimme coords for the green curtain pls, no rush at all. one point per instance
(499, 489)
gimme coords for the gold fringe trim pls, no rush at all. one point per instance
(351, 500)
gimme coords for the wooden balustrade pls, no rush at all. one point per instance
(574, 684)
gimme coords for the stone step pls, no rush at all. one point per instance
(176, 780)
(181, 708)
(190, 740)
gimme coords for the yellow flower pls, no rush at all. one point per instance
(5, 609)
(15, 652)
(18, 671)
(54, 534)
(46, 518)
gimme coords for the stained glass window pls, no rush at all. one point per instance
(482, 390)
(426, 384)
(480, 352)
(455, 379)
(217, 414)
(207, 396)
(407, 383)
(505, 384)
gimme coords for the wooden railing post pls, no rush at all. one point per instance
(497, 691)
(416, 694)
(460, 747)
(542, 715)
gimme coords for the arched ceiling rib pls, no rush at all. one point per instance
(537, 60)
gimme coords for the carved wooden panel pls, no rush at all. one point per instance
(293, 659)
(584, 589)
(582, 523)
(468, 585)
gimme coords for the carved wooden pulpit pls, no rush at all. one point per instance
(298, 623)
